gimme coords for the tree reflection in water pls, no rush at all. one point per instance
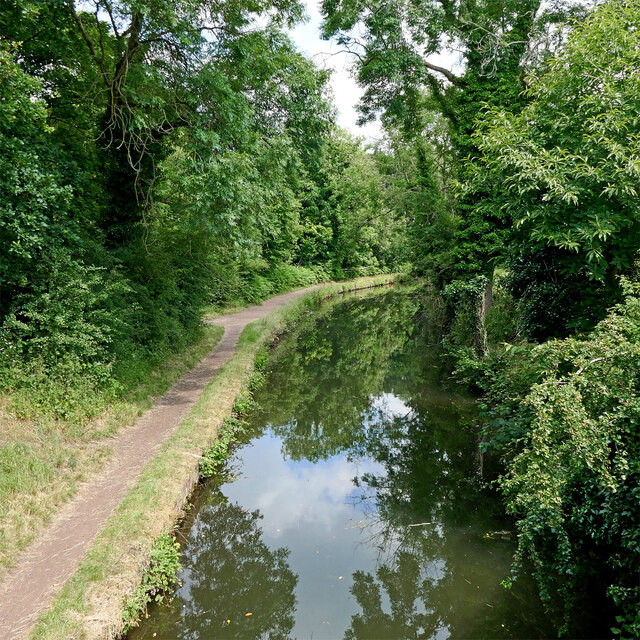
(365, 380)
(228, 572)
(326, 372)
(358, 383)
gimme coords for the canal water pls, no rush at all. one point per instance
(355, 507)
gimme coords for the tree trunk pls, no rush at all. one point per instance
(480, 338)
(487, 302)
(484, 303)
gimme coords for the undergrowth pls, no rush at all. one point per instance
(562, 416)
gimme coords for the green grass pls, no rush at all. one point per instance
(91, 604)
(42, 460)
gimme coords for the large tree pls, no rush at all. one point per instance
(144, 68)
(566, 167)
(494, 43)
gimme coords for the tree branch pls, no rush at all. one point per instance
(453, 79)
(436, 91)
(133, 45)
(113, 22)
(100, 36)
(92, 49)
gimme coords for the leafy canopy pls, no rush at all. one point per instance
(566, 168)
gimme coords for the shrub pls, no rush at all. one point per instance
(216, 454)
(56, 344)
(157, 581)
(572, 449)
(465, 302)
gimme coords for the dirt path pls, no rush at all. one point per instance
(43, 568)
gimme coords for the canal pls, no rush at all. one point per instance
(354, 507)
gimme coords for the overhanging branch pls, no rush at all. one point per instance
(94, 54)
(453, 79)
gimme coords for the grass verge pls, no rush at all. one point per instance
(92, 603)
(43, 460)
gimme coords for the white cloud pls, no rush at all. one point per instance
(298, 493)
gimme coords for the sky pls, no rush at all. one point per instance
(329, 55)
(346, 92)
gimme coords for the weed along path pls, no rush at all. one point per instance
(44, 567)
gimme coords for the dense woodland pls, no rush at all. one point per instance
(157, 157)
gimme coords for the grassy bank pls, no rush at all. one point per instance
(91, 603)
(43, 458)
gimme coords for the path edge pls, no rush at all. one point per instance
(91, 604)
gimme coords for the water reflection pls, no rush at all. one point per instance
(234, 585)
(327, 372)
(357, 511)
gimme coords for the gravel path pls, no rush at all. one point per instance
(43, 568)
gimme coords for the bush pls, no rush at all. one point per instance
(501, 319)
(56, 344)
(216, 454)
(69, 313)
(288, 276)
(465, 305)
(551, 303)
(157, 582)
(255, 280)
(567, 427)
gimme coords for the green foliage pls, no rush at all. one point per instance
(244, 403)
(465, 299)
(256, 280)
(56, 345)
(565, 168)
(566, 424)
(216, 454)
(66, 315)
(416, 176)
(157, 582)
(152, 164)
(345, 222)
(501, 318)
(551, 303)
(496, 42)
(34, 199)
(261, 360)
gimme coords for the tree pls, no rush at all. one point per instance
(148, 69)
(345, 219)
(34, 199)
(417, 176)
(565, 170)
(161, 146)
(496, 42)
